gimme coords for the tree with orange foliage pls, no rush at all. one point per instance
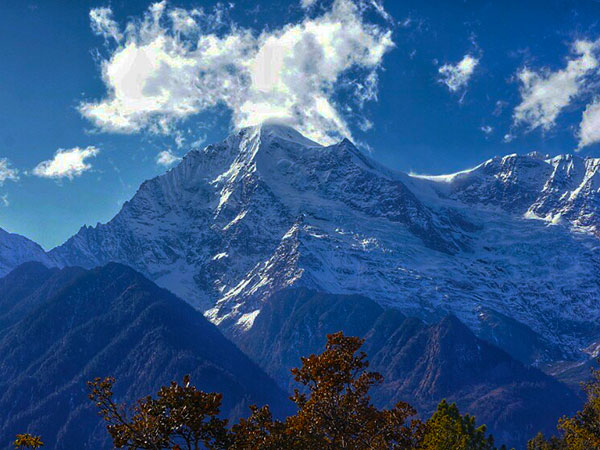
(180, 417)
(26, 440)
(335, 412)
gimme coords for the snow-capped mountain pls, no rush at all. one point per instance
(268, 209)
(564, 189)
(16, 249)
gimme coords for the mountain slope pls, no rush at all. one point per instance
(214, 221)
(268, 209)
(112, 321)
(16, 249)
(28, 286)
(421, 364)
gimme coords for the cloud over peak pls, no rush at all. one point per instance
(66, 163)
(167, 158)
(174, 63)
(589, 128)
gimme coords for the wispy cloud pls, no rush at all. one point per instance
(103, 24)
(457, 76)
(7, 172)
(307, 3)
(167, 158)
(198, 142)
(174, 63)
(508, 137)
(66, 163)
(545, 93)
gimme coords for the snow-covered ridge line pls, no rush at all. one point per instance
(445, 178)
(561, 190)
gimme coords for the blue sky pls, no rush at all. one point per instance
(98, 96)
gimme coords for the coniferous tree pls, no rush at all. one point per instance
(539, 442)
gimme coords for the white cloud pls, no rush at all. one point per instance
(458, 75)
(487, 129)
(167, 158)
(307, 3)
(545, 94)
(589, 128)
(67, 163)
(499, 107)
(184, 21)
(508, 137)
(104, 25)
(159, 74)
(7, 172)
(365, 125)
(406, 22)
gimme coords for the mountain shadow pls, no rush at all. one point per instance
(60, 328)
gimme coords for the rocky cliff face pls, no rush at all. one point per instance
(561, 190)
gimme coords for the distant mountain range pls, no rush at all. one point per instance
(62, 327)
(278, 240)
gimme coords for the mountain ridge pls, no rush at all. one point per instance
(420, 363)
(267, 209)
(16, 249)
(110, 321)
(560, 189)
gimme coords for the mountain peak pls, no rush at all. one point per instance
(16, 249)
(221, 230)
(271, 129)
